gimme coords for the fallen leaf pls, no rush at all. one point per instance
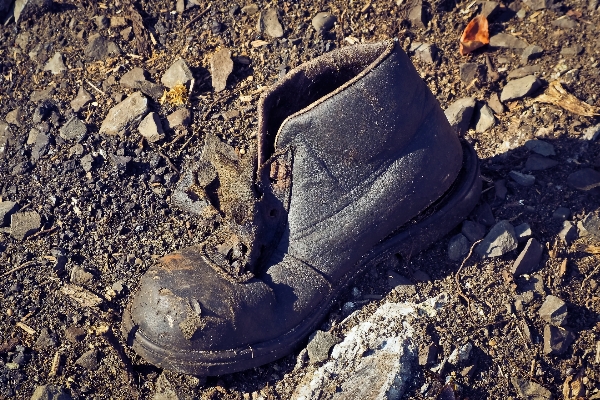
(475, 35)
(557, 95)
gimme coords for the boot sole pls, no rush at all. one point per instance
(432, 224)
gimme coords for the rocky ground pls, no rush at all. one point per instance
(104, 106)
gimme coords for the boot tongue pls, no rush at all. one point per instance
(232, 247)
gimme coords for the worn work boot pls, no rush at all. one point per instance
(356, 162)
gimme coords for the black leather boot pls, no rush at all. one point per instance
(356, 162)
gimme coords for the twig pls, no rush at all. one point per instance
(168, 160)
(95, 87)
(457, 277)
(15, 269)
(197, 17)
(26, 328)
(42, 232)
(590, 275)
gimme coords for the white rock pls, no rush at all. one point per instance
(178, 73)
(56, 64)
(221, 66)
(124, 115)
(151, 128)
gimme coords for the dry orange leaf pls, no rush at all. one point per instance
(475, 35)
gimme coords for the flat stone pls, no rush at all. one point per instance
(178, 74)
(87, 162)
(426, 52)
(319, 345)
(523, 232)
(26, 9)
(181, 117)
(574, 50)
(584, 179)
(473, 230)
(529, 258)
(557, 340)
(488, 8)
(524, 71)
(221, 66)
(132, 79)
(519, 88)
(118, 22)
(460, 354)
(125, 115)
(459, 114)
(23, 224)
(268, 23)
(470, 71)
(89, 360)
(591, 133)
(164, 389)
(540, 147)
(505, 40)
(7, 208)
(100, 48)
(75, 334)
(417, 15)
(536, 5)
(73, 129)
(531, 52)
(401, 284)
(564, 23)
(250, 9)
(127, 33)
(151, 128)
(50, 392)
(525, 180)
(554, 311)
(495, 103)
(500, 240)
(81, 100)
(379, 351)
(15, 117)
(323, 21)
(561, 213)
(40, 147)
(56, 64)
(591, 224)
(46, 339)
(568, 234)
(528, 390)
(458, 247)
(536, 162)
(484, 118)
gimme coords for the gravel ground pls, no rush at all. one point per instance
(88, 202)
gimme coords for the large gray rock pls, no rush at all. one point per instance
(73, 129)
(124, 115)
(584, 179)
(323, 21)
(505, 40)
(83, 97)
(500, 240)
(100, 48)
(540, 147)
(557, 340)
(379, 351)
(50, 392)
(522, 179)
(529, 258)
(536, 5)
(564, 23)
(7, 208)
(178, 74)
(554, 311)
(151, 128)
(524, 71)
(268, 23)
(531, 52)
(458, 247)
(221, 66)
(484, 118)
(55, 65)
(519, 88)
(529, 390)
(319, 345)
(25, 9)
(460, 112)
(24, 224)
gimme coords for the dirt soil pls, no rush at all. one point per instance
(106, 208)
